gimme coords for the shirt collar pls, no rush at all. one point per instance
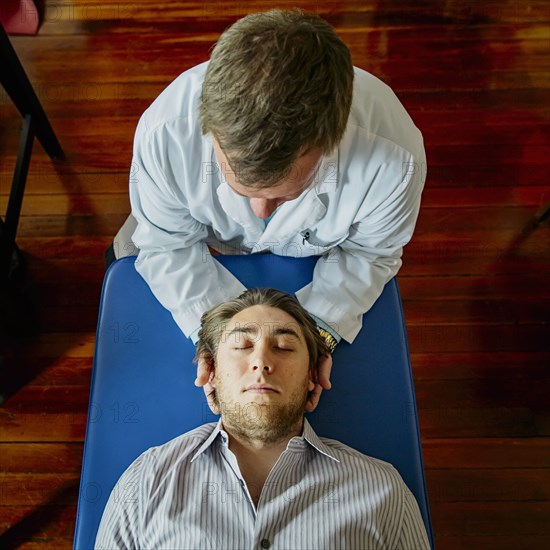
(211, 438)
(297, 443)
(313, 439)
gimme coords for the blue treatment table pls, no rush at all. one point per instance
(143, 394)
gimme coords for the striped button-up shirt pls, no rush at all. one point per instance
(190, 493)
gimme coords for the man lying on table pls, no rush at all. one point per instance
(260, 477)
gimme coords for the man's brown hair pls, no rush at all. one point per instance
(279, 84)
(215, 320)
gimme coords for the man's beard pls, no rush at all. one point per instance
(263, 422)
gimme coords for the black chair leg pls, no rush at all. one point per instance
(35, 123)
(9, 228)
(543, 213)
(17, 85)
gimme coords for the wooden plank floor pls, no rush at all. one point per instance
(475, 77)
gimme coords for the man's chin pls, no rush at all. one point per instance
(257, 398)
(264, 419)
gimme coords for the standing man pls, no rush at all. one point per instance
(277, 144)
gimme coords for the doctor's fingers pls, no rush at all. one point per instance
(324, 368)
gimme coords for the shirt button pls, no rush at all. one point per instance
(265, 543)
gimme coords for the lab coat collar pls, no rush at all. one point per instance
(327, 175)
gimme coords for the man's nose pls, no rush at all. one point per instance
(262, 367)
(263, 208)
(262, 361)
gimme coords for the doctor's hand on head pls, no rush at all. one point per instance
(324, 367)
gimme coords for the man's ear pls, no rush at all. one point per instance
(208, 360)
(211, 370)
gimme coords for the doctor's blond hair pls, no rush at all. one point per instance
(279, 83)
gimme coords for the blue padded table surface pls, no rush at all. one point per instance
(143, 394)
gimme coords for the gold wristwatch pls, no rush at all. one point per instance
(329, 339)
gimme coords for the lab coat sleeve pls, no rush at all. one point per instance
(173, 257)
(348, 280)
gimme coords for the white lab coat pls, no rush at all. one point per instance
(358, 214)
